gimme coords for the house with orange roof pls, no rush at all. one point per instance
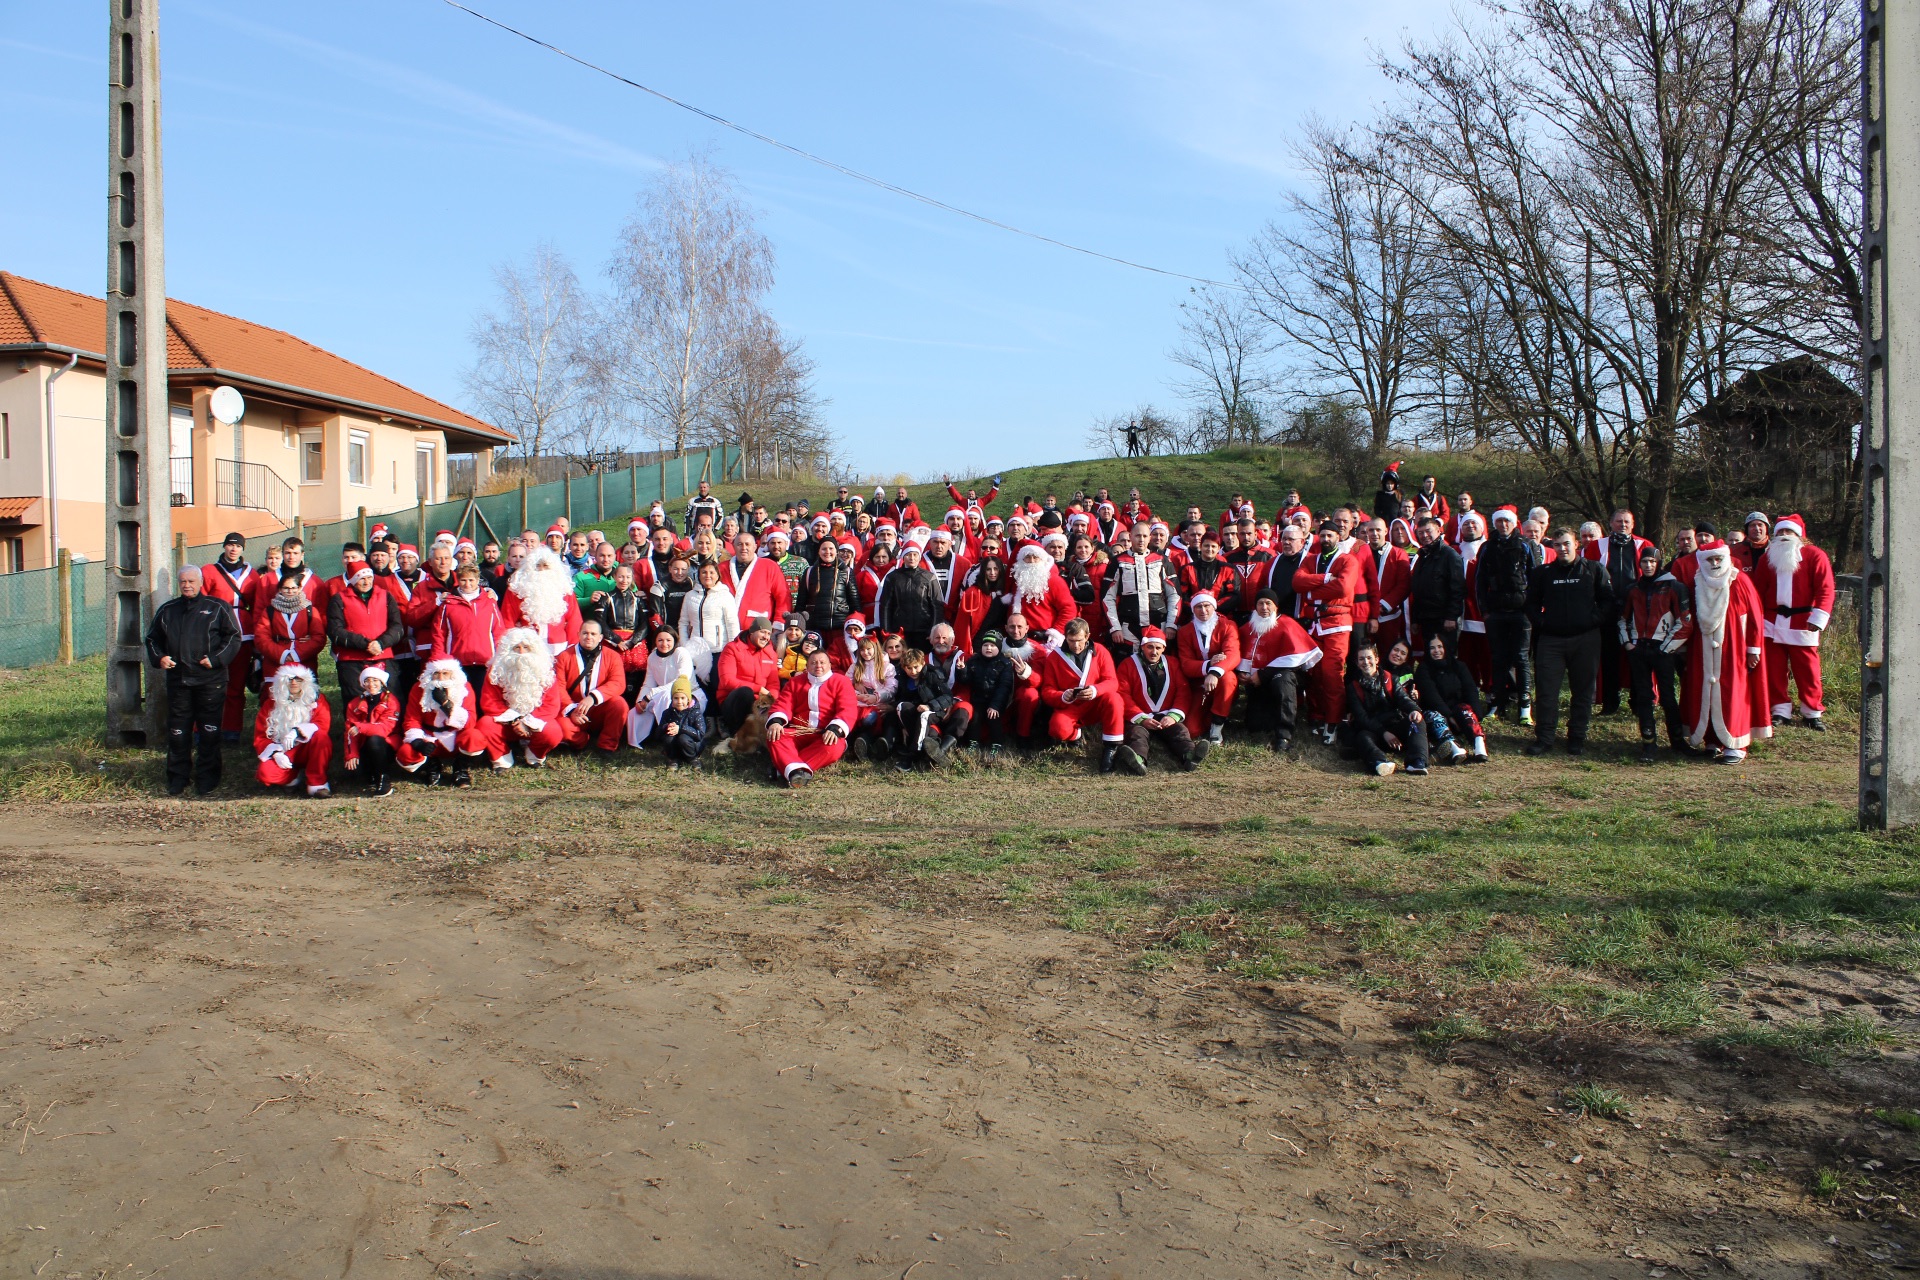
(320, 439)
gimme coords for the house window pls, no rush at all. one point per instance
(288, 437)
(6, 436)
(357, 470)
(313, 458)
(16, 555)
(423, 472)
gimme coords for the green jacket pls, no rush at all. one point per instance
(586, 582)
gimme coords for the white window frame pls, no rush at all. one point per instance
(423, 447)
(364, 441)
(309, 437)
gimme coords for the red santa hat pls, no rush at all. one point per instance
(1509, 512)
(358, 569)
(408, 549)
(1793, 522)
(1105, 508)
(373, 671)
(922, 535)
(1198, 596)
(556, 528)
(1154, 634)
(819, 522)
(855, 621)
(378, 533)
(444, 535)
(1398, 523)
(1053, 538)
(885, 522)
(465, 544)
(636, 523)
(953, 511)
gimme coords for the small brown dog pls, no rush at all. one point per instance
(753, 734)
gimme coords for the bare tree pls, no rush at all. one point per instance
(531, 373)
(1224, 342)
(1342, 282)
(1145, 430)
(688, 273)
(1595, 165)
(767, 407)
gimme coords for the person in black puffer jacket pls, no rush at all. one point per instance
(910, 600)
(1437, 590)
(990, 686)
(828, 591)
(1451, 700)
(1569, 600)
(921, 701)
(1505, 568)
(1382, 719)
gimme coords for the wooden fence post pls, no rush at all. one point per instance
(360, 527)
(64, 654)
(420, 524)
(179, 553)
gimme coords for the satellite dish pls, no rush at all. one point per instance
(226, 405)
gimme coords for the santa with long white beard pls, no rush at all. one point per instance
(1794, 580)
(1041, 594)
(1723, 697)
(442, 724)
(290, 734)
(540, 595)
(520, 707)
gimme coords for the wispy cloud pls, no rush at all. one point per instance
(1231, 79)
(448, 98)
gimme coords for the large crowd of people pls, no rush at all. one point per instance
(1389, 633)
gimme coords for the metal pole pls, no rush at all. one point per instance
(139, 519)
(64, 578)
(53, 459)
(1890, 432)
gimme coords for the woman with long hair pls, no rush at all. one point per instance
(874, 685)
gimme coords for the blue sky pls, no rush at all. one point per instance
(351, 172)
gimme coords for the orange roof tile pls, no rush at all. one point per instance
(202, 340)
(17, 508)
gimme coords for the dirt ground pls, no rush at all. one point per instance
(231, 1046)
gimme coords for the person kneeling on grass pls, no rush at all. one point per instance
(683, 726)
(442, 723)
(290, 735)
(1450, 698)
(1381, 719)
(1156, 698)
(807, 728)
(921, 701)
(373, 730)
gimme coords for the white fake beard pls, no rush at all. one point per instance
(454, 682)
(1261, 624)
(1783, 554)
(1710, 595)
(290, 713)
(543, 594)
(522, 678)
(1031, 576)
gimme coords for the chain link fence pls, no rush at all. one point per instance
(30, 601)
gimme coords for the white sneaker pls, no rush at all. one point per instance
(1454, 753)
(1382, 769)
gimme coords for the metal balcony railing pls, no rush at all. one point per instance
(180, 473)
(252, 486)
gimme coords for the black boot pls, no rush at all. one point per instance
(1649, 749)
(382, 785)
(430, 776)
(1107, 754)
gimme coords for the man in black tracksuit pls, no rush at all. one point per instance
(1569, 601)
(1437, 592)
(193, 638)
(1621, 556)
(1507, 562)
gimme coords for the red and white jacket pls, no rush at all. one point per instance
(760, 591)
(558, 635)
(284, 638)
(1176, 696)
(1058, 674)
(1286, 644)
(593, 681)
(1797, 609)
(264, 586)
(430, 726)
(1221, 652)
(234, 588)
(319, 724)
(381, 719)
(468, 631)
(1393, 568)
(815, 708)
(1327, 594)
(1049, 613)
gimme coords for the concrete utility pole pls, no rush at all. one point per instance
(139, 492)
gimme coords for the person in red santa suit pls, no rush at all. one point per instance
(1723, 699)
(593, 704)
(290, 733)
(1276, 655)
(759, 588)
(808, 724)
(1794, 581)
(229, 579)
(290, 632)
(1393, 574)
(1041, 594)
(373, 731)
(442, 724)
(1156, 700)
(1474, 649)
(520, 706)
(540, 596)
(1080, 689)
(1207, 649)
(1324, 588)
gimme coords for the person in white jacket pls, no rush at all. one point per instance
(667, 662)
(709, 619)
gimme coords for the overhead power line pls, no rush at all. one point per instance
(834, 165)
